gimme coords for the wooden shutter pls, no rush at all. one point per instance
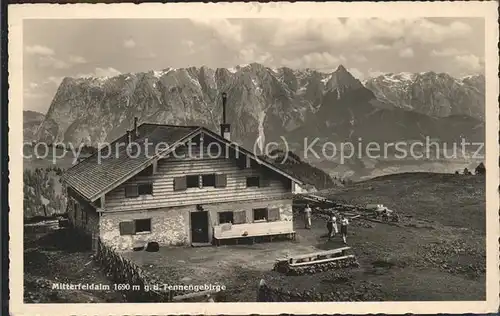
(220, 180)
(131, 191)
(241, 161)
(239, 217)
(180, 183)
(273, 214)
(263, 181)
(127, 228)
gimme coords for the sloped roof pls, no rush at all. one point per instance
(102, 172)
(93, 175)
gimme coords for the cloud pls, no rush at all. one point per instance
(446, 52)
(39, 50)
(369, 34)
(229, 32)
(189, 46)
(374, 73)
(469, 62)
(129, 43)
(77, 59)
(101, 72)
(51, 61)
(430, 32)
(252, 54)
(320, 61)
(147, 56)
(461, 58)
(358, 58)
(406, 53)
(358, 74)
(35, 95)
(54, 80)
(378, 47)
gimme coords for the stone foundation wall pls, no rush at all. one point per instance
(172, 226)
(169, 227)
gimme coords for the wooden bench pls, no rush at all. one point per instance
(320, 261)
(315, 256)
(252, 230)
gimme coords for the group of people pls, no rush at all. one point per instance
(331, 224)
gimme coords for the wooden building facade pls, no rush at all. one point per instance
(201, 188)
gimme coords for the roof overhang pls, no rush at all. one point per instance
(117, 182)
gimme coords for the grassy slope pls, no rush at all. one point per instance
(452, 200)
(436, 252)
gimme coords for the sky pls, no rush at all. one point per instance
(58, 48)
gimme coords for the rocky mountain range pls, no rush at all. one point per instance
(269, 103)
(266, 102)
(432, 94)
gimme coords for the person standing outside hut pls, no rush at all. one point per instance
(344, 222)
(331, 225)
(307, 217)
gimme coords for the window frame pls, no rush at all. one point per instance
(254, 178)
(213, 180)
(138, 232)
(225, 212)
(266, 217)
(191, 178)
(149, 184)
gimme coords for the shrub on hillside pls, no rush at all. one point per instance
(43, 194)
(480, 169)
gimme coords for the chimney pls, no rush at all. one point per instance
(129, 137)
(225, 129)
(136, 132)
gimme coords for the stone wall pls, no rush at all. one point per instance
(124, 272)
(169, 227)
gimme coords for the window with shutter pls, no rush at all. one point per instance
(180, 184)
(131, 191)
(264, 182)
(240, 161)
(240, 217)
(273, 214)
(260, 214)
(253, 182)
(127, 228)
(220, 180)
(142, 225)
(226, 217)
(208, 180)
(193, 181)
(145, 189)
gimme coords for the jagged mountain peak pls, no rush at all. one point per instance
(341, 69)
(431, 93)
(341, 80)
(261, 100)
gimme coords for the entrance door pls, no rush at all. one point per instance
(199, 227)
